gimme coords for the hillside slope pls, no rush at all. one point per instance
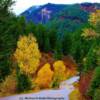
(67, 18)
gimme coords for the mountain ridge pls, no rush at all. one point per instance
(44, 13)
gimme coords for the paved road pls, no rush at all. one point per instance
(61, 94)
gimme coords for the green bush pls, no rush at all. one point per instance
(23, 83)
(4, 69)
(9, 85)
(55, 83)
(90, 62)
(93, 56)
(95, 83)
(97, 95)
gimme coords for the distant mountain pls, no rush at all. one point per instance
(64, 18)
(72, 17)
(42, 14)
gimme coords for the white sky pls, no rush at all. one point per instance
(22, 5)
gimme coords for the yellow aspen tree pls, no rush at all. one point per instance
(44, 77)
(94, 17)
(59, 70)
(89, 33)
(27, 54)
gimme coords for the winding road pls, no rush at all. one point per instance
(66, 87)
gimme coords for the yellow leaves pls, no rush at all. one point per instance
(75, 95)
(9, 85)
(27, 54)
(89, 33)
(94, 17)
(59, 66)
(44, 77)
(59, 70)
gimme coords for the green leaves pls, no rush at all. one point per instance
(58, 51)
(95, 83)
(23, 83)
(5, 68)
(97, 94)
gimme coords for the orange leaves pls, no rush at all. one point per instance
(70, 73)
(27, 54)
(44, 77)
(47, 77)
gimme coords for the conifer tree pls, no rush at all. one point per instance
(58, 53)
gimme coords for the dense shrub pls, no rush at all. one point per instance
(92, 58)
(95, 83)
(97, 94)
(84, 82)
(55, 83)
(23, 83)
(45, 76)
(59, 72)
(9, 86)
(5, 69)
(75, 95)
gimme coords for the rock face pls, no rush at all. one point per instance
(45, 15)
(62, 93)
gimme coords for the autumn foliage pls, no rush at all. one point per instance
(59, 70)
(45, 69)
(27, 68)
(85, 80)
(75, 95)
(44, 76)
(9, 85)
(94, 17)
(27, 54)
(89, 33)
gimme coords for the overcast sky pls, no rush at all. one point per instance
(22, 5)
